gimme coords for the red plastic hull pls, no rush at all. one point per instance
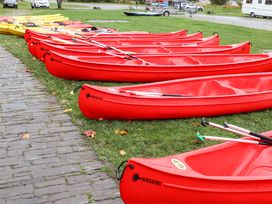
(114, 34)
(213, 40)
(160, 68)
(71, 38)
(203, 96)
(42, 48)
(229, 173)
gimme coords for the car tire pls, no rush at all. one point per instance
(166, 13)
(200, 9)
(16, 6)
(252, 14)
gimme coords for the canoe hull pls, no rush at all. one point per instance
(42, 48)
(67, 68)
(152, 181)
(213, 40)
(99, 102)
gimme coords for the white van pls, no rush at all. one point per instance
(257, 8)
(40, 4)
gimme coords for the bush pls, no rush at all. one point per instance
(219, 2)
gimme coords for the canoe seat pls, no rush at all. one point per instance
(261, 166)
(215, 87)
(182, 61)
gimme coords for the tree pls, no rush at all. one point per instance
(59, 2)
(219, 2)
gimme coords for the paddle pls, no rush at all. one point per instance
(234, 127)
(101, 45)
(143, 93)
(205, 122)
(202, 138)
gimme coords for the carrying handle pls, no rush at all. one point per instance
(119, 173)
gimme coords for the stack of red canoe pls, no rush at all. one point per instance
(146, 57)
(222, 84)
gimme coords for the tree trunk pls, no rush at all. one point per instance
(59, 2)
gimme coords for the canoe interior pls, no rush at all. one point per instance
(179, 60)
(228, 160)
(237, 160)
(209, 86)
(143, 49)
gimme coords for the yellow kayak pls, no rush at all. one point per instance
(4, 28)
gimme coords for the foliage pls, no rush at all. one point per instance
(219, 2)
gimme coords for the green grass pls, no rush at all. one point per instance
(144, 138)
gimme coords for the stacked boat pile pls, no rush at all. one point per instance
(17, 25)
(222, 82)
(204, 79)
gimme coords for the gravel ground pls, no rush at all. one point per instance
(103, 6)
(257, 23)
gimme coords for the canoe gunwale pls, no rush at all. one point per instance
(248, 63)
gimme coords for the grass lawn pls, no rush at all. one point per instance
(144, 138)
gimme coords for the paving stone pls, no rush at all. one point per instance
(78, 200)
(79, 188)
(16, 190)
(109, 201)
(49, 190)
(20, 200)
(50, 183)
(46, 167)
(59, 196)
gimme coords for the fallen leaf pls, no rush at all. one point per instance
(89, 133)
(25, 136)
(121, 132)
(68, 110)
(54, 93)
(28, 70)
(33, 58)
(122, 152)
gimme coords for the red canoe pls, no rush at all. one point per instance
(43, 47)
(182, 98)
(228, 173)
(112, 37)
(195, 37)
(114, 34)
(154, 68)
(209, 41)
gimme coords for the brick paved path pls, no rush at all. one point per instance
(43, 158)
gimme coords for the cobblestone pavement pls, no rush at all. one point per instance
(43, 158)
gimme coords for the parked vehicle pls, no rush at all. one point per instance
(257, 8)
(193, 7)
(10, 4)
(40, 4)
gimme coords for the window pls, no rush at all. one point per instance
(268, 2)
(249, 1)
(260, 1)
